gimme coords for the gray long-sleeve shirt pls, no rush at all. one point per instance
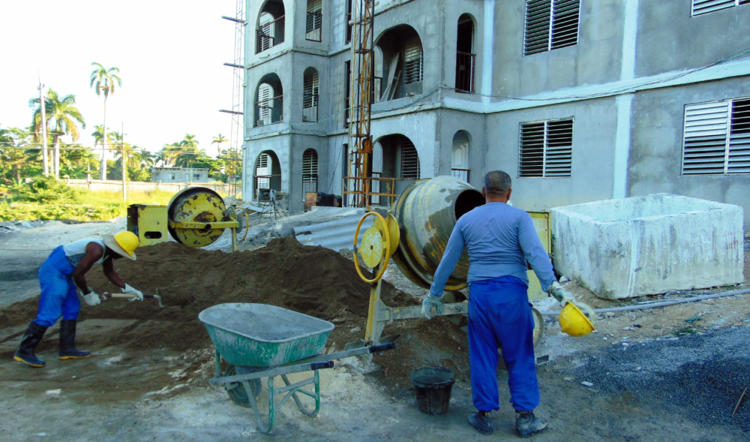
(500, 240)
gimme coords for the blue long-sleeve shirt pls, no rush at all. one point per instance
(500, 239)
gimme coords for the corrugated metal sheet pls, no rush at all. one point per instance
(337, 234)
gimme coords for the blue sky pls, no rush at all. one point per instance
(170, 54)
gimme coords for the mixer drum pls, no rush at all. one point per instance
(426, 213)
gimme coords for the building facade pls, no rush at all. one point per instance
(577, 100)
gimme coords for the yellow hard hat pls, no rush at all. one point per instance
(574, 322)
(123, 243)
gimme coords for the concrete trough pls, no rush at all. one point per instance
(651, 244)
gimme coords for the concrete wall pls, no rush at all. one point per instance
(595, 59)
(594, 127)
(656, 150)
(647, 245)
(141, 186)
(669, 38)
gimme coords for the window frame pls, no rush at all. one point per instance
(556, 157)
(557, 14)
(710, 124)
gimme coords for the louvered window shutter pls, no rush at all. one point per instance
(550, 24)
(705, 138)
(309, 171)
(409, 160)
(739, 138)
(559, 148)
(537, 26)
(532, 150)
(565, 23)
(546, 149)
(706, 6)
(412, 64)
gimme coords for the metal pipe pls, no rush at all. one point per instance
(657, 304)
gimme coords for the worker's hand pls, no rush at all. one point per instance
(92, 298)
(137, 294)
(429, 303)
(560, 293)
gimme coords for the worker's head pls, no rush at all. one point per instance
(123, 244)
(497, 186)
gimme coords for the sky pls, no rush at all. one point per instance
(170, 54)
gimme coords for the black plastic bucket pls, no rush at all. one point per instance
(433, 385)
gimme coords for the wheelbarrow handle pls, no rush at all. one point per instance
(381, 347)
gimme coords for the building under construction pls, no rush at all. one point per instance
(578, 100)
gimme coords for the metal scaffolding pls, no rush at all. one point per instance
(359, 184)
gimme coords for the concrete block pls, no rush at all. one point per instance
(651, 244)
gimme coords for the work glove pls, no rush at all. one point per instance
(560, 293)
(429, 303)
(137, 294)
(92, 298)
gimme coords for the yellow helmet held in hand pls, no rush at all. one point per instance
(123, 243)
(574, 322)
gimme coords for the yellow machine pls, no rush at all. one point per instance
(414, 233)
(195, 217)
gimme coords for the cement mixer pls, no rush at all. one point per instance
(414, 233)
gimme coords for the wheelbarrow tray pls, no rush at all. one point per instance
(262, 335)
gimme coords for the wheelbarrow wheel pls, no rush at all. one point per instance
(236, 391)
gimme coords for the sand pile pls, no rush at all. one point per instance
(307, 279)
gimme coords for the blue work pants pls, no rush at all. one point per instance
(59, 293)
(500, 316)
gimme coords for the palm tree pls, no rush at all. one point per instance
(64, 114)
(169, 153)
(218, 139)
(103, 81)
(15, 152)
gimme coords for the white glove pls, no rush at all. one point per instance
(92, 298)
(138, 295)
(560, 293)
(429, 303)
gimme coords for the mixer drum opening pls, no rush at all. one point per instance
(466, 201)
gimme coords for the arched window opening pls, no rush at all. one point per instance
(270, 28)
(310, 95)
(401, 64)
(314, 21)
(465, 56)
(267, 176)
(309, 171)
(269, 102)
(460, 161)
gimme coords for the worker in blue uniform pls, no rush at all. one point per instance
(500, 241)
(61, 276)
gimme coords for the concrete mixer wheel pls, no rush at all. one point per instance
(385, 244)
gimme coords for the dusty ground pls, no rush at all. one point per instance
(674, 373)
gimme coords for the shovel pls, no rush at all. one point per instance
(107, 295)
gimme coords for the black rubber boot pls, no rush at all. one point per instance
(528, 424)
(31, 338)
(481, 422)
(68, 341)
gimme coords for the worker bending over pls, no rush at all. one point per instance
(500, 240)
(60, 277)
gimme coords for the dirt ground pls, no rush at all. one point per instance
(673, 373)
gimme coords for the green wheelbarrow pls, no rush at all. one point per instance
(257, 342)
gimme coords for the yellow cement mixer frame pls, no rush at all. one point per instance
(379, 243)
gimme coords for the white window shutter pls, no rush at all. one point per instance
(706, 6)
(739, 137)
(705, 138)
